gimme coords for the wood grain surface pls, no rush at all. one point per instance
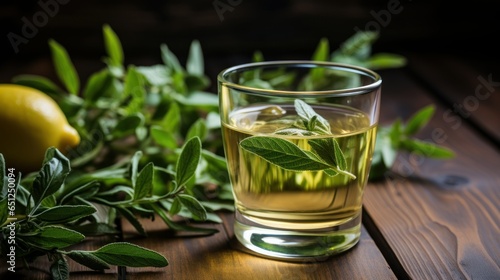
(440, 218)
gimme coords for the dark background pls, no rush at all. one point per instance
(280, 29)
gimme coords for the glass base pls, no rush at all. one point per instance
(293, 245)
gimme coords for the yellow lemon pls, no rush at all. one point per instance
(30, 123)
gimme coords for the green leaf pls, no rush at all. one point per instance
(339, 155)
(198, 128)
(4, 212)
(171, 121)
(427, 149)
(88, 259)
(52, 175)
(169, 59)
(194, 206)
(132, 220)
(59, 269)
(54, 237)
(257, 56)
(38, 82)
(64, 67)
(385, 60)
(175, 207)
(163, 137)
(282, 153)
(358, 45)
(188, 160)
(113, 46)
(97, 85)
(144, 184)
(156, 75)
(126, 254)
(329, 151)
(321, 54)
(307, 113)
(128, 125)
(199, 99)
(134, 89)
(419, 120)
(195, 64)
(134, 166)
(178, 227)
(65, 213)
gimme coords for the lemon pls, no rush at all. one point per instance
(30, 123)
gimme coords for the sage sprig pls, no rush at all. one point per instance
(325, 153)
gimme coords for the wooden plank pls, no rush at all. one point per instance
(440, 219)
(221, 257)
(472, 94)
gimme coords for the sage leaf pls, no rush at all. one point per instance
(419, 120)
(195, 64)
(128, 125)
(60, 269)
(127, 254)
(97, 84)
(132, 219)
(52, 175)
(88, 259)
(65, 213)
(144, 184)
(172, 119)
(322, 53)
(198, 128)
(64, 67)
(199, 99)
(54, 237)
(282, 153)
(134, 90)
(329, 151)
(188, 160)
(39, 82)
(156, 75)
(175, 207)
(4, 213)
(339, 155)
(307, 113)
(426, 149)
(169, 59)
(385, 60)
(194, 206)
(198, 231)
(113, 46)
(163, 137)
(134, 167)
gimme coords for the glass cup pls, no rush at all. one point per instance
(298, 138)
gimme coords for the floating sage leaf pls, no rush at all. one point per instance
(282, 153)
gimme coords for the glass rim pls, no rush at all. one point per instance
(377, 79)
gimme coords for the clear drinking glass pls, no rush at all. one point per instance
(298, 138)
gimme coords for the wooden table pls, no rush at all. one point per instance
(430, 219)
